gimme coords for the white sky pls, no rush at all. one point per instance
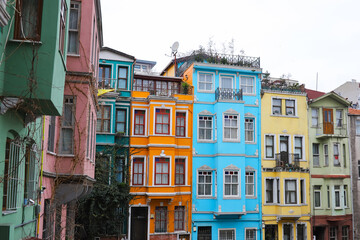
(297, 37)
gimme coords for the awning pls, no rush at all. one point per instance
(103, 91)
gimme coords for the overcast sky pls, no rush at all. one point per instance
(297, 37)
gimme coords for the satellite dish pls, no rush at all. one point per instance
(175, 46)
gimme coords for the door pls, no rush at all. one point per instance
(319, 233)
(284, 149)
(139, 223)
(328, 121)
(204, 233)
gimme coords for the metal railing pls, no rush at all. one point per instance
(106, 83)
(287, 160)
(228, 94)
(335, 131)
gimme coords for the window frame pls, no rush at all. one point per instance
(273, 146)
(237, 184)
(316, 155)
(249, 184)
(179, 162)
(273, 99)
(275, 191)
(210, 173)
(119, 122)
(30, 172)
(204, 82)
(51, 134)
(251, 229)
(333, 232)
(206, 128)
(339, 119)
(102, 119)
(162, 160)
(345, 234)
(71, 126)
(159, 210)
(305, 230)
(144, 125)
(103, 81)
(337, 191)
(141, 160)
(317, 190)
(179, 218)
(303, 191)
(301, 157)
(227, 229)
(77, 30)
(290, 107)
(346, 196)
(237, 139)
(162, 111)
(357, 126)
(62, 35)
(315, 117)
(180, 126)
(326, 155)
(247, 129)
(338, 155)
(291, 230)
(244, 86)
(121, 78)
(18, 33)
(286, 191)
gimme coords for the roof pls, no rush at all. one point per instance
(152, 63)
(312, 94)
(334, 96)
(353, 111)
(156, 77)
(117, 52)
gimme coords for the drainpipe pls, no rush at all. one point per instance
(41, 176)
(349, 124)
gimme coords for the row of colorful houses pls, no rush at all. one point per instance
(219, 150)
(48, 106)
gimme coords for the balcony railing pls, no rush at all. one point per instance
(228, 94)
(287, 160)
(331, 130)
(106, 83)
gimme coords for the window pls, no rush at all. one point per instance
(298, 147)
(161, 219)
(204, 183)
(316, 162)
(231, 127)
(290, 107)
(247, 85)
(138, 171)
(272, 186)
(180, 124)
(139, 122)
(11, 174)
(276, 106)
(103, 119)
(269, 146)
(314, 117)
(278, 190)
(179, 218)
(67, 126)
(74, 25)
(328, 196)
(302, 191)
(231, 184)
(249, 130)
(226, 234)
(30, 172)
(249, 184)
(62, 34)
(333, 233)
(250, 234)
(326, 155)
(161, 171)
(119, 169)
(120, 124)
(122, 77)
(301, 231)
(51, 134)
(89, 127)
(226, 82)
(336, 155)
(345, 196)
(358, 169)
(205, 82)
(287, 231)
(104, 76)
(205, 127)
(162, 121)
(271, 231)
(337, 196)
(344, 155)
(179, 171)
(317, 196)
(290, 192)
(339, 118)
(28, 20)
(345, 232)
(357, 124)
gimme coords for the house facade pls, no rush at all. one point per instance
(226, 173)
(285, 163)
(161, 158)
(69, 140)
(31, 85)
(331, 210)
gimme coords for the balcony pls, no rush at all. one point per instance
(329, 130)
(228, 94)
(286, 160)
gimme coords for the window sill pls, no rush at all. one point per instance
(206, 141)
(204, 91)
(51, 153)
(231, 198)
(105, 133)
(73, 54)
(252, 143)
(338, 208)
(205, 197)
(269, 159)
(249, 94)
(271, 204)
(250, 197)
(138, 136)
(25, 41)
(65, 155)
(278, 115)
(8, 212)
(184, 137)
(231, 141)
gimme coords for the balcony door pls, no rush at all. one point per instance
(226, 82)
(139, 223)
(328, 121)
(284, 149)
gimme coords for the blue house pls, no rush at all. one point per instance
(226, 186)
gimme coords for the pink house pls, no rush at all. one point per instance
(69, 140)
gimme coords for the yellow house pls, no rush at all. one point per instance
(161, 147)
(285, 163)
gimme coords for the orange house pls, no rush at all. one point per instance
(160, 167)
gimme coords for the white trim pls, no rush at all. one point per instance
(211, 195)
(304, 191)
(144, 170)
(289, 142)
(126, 118)
(283, 107)
(292, 229)
(238, 196)
(170, 121)
(301, 223)
(213, 82)
(185, 170)
(302, 146)
(233, 76)
(255, 87)
(170, 170)
(226, 229)
(255, 127)
(128, 83)
(238, 139)
(148, 219)
(275, 145)
(317, 190)
(212, 128)
(297, 191)
(186, 122)
(132, 119)
(255, 184)
(251, 228)
(275, 189)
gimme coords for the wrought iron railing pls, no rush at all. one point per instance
(228, 94)
(287, 160)
(334, 129)
(106, 83)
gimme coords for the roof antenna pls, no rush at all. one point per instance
(316, 81)
(174, 49)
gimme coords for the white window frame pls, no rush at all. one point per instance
(170, 122)
(301, 223)
(254, 184)
(326, 155)
(77, 29)
(283, 107)
(320, 200)
(221, 76)
(238, 183)
(144, 171)
(272, 106)
(274, 146)
(295, 110)
(186, 122)
(339, 191)
(346, 196)
(313, 154)
(296, 188)
(145, 122)
(212, 128)
(117, 77)
(341, 118)
(302, 145)
(254, 85)
(335, 233)
(339, 154)
(303, 190)
(212, 183)
(104, 104)
(170, 170)
(185, 170)
(227, 229)
(253, 129)
(255, 229)
(275, 190)
(292, 230)
(212, 82)
(315, 117)
(72, 127)
(238, 128)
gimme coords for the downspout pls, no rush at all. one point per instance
(350, 147)
(41, 176)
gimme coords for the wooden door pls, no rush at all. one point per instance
(139, 223)
(328, 119)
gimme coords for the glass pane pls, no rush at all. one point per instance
(207, 189)
(122, 72)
